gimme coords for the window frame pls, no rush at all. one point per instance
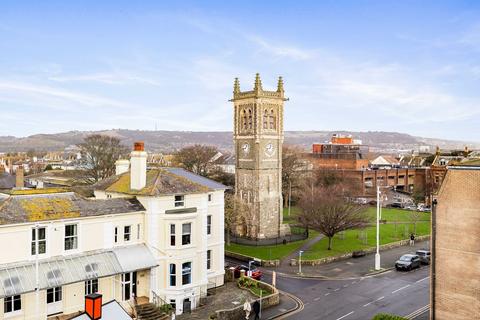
(115, 235)
(127, 236)
(209, 224)
(179, 200)
(40, 241)
(172, 275)
(187, 274)
(209, 259)
(57, 293)
(73, 237)
(173, 234)
(186, 237)
(10, 301)
(90, 285)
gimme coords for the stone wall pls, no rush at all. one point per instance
(237, 313)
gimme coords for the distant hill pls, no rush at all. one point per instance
(167, 141)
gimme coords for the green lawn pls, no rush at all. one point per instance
(388, 233)
(268, 252)
(290, 218)
(353, 240)
(394, 214)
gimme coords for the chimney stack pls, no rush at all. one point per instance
(93, 306)
(121, 166)
(138, 166)
(19, 178)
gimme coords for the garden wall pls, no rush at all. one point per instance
(237, 313)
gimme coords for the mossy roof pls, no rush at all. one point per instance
(23, 192)
(161, 181)
(44, 207)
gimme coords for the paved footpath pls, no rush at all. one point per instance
(350, 268)
(306, 246)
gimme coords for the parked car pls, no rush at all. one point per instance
(256, 273)
(408, 262)
(411, 207)
(424, 256)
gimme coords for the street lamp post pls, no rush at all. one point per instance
(300, 261)
(377, 255)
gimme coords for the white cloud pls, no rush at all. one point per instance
(106, 78)
(287, 51)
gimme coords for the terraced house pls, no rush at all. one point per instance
(150, 234)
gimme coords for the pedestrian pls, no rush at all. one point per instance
(247, 308)
(256, 309)
(412, 240)
(173, 315)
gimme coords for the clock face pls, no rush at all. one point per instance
(269, 149)
(246, 148)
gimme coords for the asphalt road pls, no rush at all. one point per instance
(400, 293)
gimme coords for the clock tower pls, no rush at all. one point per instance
(258, 139)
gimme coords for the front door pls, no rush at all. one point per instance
(54, 300)
(129, 285)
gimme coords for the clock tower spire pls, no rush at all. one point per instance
(258, 140)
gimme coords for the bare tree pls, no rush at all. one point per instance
(197, 158)
(99, 153)
(235, 209)
(327, 210)
(415, 216)
(291, 171)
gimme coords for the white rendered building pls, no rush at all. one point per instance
(151, 233)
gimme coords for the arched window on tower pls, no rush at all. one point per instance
(265, 119)
(250, 119)
(244, 119)
(273, 124)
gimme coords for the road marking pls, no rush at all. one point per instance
(345, 315)
(336, 289)
(316, 299)
(421, 279)
(354, 282)
(367, 304)
(418, 312)
(380, 298)
(327, 293)
(345, 285)
(401, 288)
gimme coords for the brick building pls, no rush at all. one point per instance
(342, 152)
(455, 271)
(350, 158)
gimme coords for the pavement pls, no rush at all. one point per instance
(349, 268)
(225, 297)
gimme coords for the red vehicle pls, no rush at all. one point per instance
(256, 273)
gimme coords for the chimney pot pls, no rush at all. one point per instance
(139, 146)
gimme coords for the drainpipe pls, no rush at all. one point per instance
(433, 267)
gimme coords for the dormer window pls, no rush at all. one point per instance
(179, 201)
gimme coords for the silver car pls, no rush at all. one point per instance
(424, 256)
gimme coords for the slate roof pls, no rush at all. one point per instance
(161, 181)
(43, 207)
(7, 181)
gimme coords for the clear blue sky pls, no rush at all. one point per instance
(407, 66)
